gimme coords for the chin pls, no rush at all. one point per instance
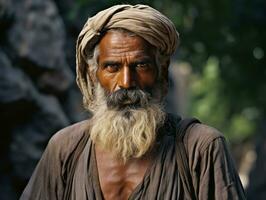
(129, 132)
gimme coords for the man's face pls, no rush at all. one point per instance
(126, 96)
(126, 62)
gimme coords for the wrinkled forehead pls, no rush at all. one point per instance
(118, 43)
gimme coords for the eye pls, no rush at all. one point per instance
(112, 68)
(143, 66)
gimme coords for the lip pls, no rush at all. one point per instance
(127, 102)
(129, 105)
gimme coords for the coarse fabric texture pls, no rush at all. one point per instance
(213, 173)
(142, 20)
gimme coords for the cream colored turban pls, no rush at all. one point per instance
(142, 20)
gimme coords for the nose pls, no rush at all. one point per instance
(127, 78)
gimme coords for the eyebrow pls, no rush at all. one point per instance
(138, 61)
(110, 62)
(141, 61)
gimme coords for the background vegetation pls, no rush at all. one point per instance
(222, 44)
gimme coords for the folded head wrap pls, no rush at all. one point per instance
(142, 20)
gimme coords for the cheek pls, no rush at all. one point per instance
(106, 80)
(147, 79)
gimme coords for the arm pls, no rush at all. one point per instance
(49, 178)
(46, 181)
(218, 178)
(212, 169)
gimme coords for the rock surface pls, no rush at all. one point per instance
(38, 33)
(17, 93)
(37, 92)
(30, 138)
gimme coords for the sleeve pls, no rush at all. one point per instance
(46, 181)
(218, 176)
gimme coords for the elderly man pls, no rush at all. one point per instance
(130, 148)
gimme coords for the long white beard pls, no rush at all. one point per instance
(126, 133)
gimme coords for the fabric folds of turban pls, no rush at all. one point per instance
(142, 20)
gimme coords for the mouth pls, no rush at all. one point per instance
(129, 105)
(127, 102)
(130, 99)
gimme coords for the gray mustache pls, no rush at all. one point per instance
(133, 98)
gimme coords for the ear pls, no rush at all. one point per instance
(164, 72)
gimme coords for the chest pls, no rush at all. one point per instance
(118, 180)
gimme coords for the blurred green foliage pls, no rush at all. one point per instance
(211, 106)
(224, 41)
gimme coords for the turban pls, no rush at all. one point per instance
(142, 20)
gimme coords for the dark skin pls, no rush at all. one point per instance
(124, 62)
(117, 179)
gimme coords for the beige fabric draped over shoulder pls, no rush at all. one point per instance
(142, 20)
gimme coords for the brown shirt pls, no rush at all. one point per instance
(212, 169)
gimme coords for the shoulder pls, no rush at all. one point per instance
(70, 133)
(210, 161)
(203, 143)
(65, 140)
(200, 136)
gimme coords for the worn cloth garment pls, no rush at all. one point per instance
(212, 169)
(142, 20)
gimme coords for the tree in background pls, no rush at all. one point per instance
(223, 41)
